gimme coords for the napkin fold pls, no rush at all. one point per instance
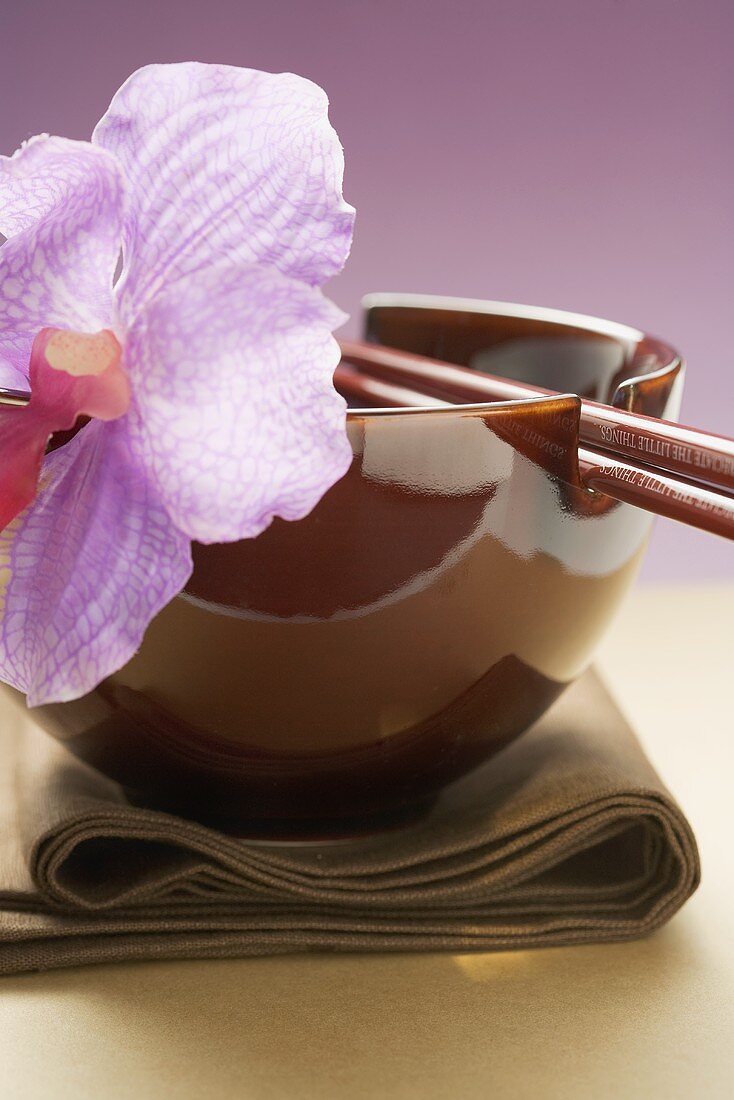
(567, 836)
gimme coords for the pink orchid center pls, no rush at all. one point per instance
(72, 375)
(78, 374)
(80, 353)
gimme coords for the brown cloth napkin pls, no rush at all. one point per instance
(567, 836)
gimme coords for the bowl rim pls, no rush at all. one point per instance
(637, 343)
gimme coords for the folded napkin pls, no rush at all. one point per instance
(567, 836)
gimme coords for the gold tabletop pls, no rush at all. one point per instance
(638, 1020)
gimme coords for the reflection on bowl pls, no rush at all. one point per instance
(337, 672)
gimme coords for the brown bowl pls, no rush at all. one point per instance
(336, 673)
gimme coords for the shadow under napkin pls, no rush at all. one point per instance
(567, 836)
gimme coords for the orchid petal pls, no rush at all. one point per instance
(57, 268)
(13, 368)
(234, 411)
(85, 569)
(36, 180)
(227, 163)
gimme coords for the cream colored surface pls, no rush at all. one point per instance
(642, 1020)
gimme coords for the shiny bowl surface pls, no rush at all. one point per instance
(336, 673)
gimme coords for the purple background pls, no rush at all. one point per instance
(576, 154)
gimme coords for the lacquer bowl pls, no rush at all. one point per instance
(337, 673)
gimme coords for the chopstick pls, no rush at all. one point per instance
(699, 457)
(636, 483)
(14, 397)
(632, 482)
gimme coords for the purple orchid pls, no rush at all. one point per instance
(206, 368)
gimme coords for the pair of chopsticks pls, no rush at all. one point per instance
(665, 468)
(690, 480)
